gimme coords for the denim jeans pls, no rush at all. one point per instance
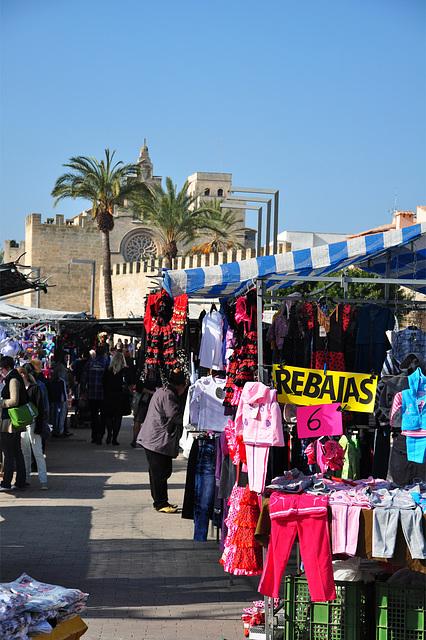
(204, 488)
(60, 411)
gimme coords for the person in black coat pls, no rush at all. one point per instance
(13, 395)
(115, 377)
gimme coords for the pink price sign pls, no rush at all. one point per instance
(319, 420)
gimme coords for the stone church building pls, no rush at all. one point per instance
(55, 245)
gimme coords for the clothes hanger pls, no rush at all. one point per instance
(213, 307)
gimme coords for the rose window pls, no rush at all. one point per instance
(139, 246)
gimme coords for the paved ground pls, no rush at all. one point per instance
(95, 529)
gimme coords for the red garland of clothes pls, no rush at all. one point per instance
(161, 343)
(180, 310)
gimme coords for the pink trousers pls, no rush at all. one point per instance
(315, 549)
(257, 466)
(345, 528)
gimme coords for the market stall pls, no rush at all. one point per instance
(397, 258)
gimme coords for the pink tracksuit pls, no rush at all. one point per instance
(259, 421)
(304, 515)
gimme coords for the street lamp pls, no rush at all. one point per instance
(92, 287)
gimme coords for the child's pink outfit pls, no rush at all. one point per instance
(304, 515)
(259, 421)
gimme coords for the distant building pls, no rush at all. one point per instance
(53, 244)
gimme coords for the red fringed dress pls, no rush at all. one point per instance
(242, 554)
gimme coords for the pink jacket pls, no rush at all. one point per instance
(258, 417)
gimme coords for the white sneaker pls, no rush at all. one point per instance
(44, 487)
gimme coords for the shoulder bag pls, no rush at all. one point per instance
(22, 416)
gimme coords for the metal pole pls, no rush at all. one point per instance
(259, 231)
(275, 236)
(37, 269)
(260, 291)
(268, 228)
(388, 266)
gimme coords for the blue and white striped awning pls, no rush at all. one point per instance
(406, 248)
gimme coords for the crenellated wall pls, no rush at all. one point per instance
(54, 244)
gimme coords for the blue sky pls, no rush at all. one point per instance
(321, 99)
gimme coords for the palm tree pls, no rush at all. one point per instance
(174, 216)
(223, 225)
(106, 186)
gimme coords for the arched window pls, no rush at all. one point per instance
(220, 193)
(138, 245)
(207, 191)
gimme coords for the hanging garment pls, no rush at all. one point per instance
(401, 470)
(206, 405)
(351, 460)
(204, 488)
(371, 340)
(228, 555)
(409, 340)
(346, 505)
(304, 515)
(258, 421)
(393, 385)
(211, 341)
(150, 313)
(248, 552)
(281, 323)
(180, 308)
(397, 505)
(326, 453)
(329, 333)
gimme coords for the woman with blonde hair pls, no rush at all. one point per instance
(115, 377)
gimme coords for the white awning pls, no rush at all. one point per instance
(399, 254)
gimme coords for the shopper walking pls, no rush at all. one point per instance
(145, 389)
(31, 436)
(13, 394)
(160, 435)
(114, 379)
(92, 389)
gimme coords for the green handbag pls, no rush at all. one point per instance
(22, 416)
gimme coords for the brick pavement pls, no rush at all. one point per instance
(95, 529)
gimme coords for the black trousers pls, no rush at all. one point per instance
(113, 423)
(97, 419)
(160, 470)
(13, 460)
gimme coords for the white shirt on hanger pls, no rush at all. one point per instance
(211, 341)
(206, 404)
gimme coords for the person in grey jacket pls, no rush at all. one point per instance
(160, 434)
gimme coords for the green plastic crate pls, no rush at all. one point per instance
(346, 618)
(400, 612)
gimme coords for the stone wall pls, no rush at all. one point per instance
(52, 245)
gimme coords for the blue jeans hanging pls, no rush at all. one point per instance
(204, 488)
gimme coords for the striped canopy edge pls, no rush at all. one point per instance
(406, 248)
